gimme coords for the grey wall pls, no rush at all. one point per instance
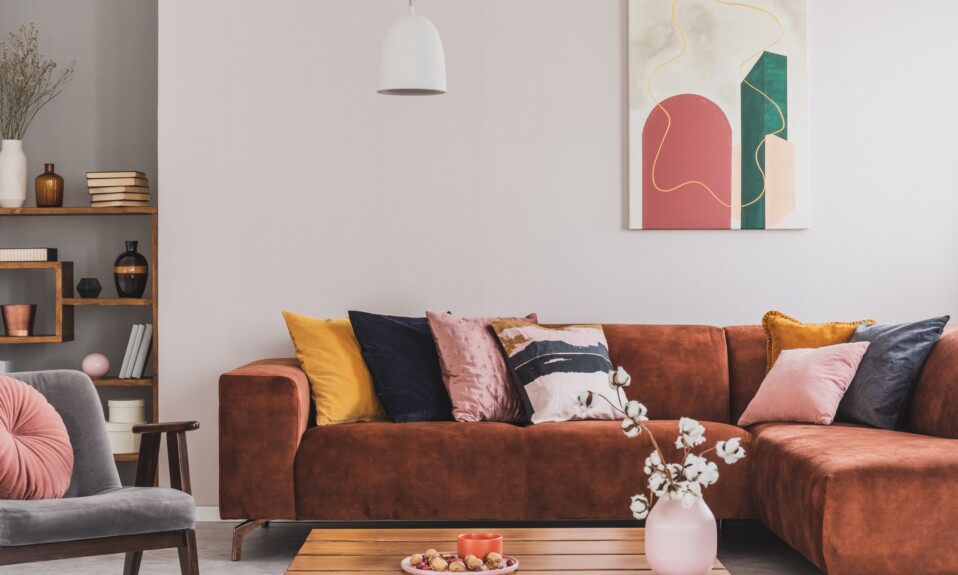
(105, 119)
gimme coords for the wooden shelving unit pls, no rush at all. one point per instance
(65, 302)
(63, 282)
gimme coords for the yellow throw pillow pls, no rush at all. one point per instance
(783, 332)
(329, 353)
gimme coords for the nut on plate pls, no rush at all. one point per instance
(415, 559)
(438, 564)
(473, 562)
(493, 560)
(430, 554)
(457, 567)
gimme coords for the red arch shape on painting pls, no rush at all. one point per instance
(698, 147)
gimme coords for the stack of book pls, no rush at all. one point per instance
(118, 189)
(28, 254)
(137, 351)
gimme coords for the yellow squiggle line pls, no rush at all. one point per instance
(668, 116)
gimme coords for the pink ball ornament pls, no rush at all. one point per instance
(95, 365)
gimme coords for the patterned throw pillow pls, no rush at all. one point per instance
(783, 332)
(552, 365)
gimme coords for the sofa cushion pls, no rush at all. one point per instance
(329, 353)
(124, 511)
(401, 356)
(36, 458)
(413, 471)
(858, 500)
(589, 470)
(889, 371)
(473, 369)
(552, 366)
(805, 385)
(783, 332)
(677, 370)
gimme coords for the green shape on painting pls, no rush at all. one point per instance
(759, 119)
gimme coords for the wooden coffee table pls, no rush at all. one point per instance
(615, 551)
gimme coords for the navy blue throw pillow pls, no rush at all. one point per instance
(404, 365)
(886, 377)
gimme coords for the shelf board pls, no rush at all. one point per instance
(117, 382)
(79, 211)
(34, 339)
(126, 456)
(30, 265)
(111, 301)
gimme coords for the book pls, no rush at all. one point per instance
(28, 254)
(120, 204)
(144, 353)
(120, 190)
(105, 182)
(137, 338)
(129, 351)
(119, 196)
(102, 175)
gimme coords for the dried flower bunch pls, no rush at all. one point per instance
(28, 82)
(682, 481)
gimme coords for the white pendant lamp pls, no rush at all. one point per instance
(412, 62)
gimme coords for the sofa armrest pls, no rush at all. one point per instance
(264, 411)
(934, 409)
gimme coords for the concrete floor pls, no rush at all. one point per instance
(745, 548)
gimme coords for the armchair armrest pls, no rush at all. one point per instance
(166, 427)
(149, 460)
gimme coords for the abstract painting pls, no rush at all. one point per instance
(718, 127)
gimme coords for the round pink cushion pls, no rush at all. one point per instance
(36, 459)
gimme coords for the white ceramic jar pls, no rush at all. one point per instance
(127, 410)
(122, 438)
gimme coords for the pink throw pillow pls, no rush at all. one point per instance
(36, 459)
(805, 385)
(473, 369)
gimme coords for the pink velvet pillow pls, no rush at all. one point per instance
(805, 385)
(36, 459)
(473, 369)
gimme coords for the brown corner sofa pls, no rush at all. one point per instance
(851, 499)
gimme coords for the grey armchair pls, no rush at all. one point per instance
(98, 516)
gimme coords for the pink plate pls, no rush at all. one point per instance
(410, 569)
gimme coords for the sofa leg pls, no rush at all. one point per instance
(240, 531)
(189, 562)
(131, 566)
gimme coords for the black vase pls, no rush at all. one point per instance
(89, 288)
(130, 272)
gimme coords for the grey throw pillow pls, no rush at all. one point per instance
(886, 377)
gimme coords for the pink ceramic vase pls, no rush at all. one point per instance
(680, 541)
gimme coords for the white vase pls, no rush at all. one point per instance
(13, 174)
(679, 540)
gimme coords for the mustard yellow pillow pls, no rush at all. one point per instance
(329, 353)
(783, 332)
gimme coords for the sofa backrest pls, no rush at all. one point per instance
(934, 407)
(746, 365)
(677, 370)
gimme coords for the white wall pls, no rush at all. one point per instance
(288, 183)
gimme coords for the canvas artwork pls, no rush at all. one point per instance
(718, 127)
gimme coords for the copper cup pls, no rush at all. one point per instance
(18, 319)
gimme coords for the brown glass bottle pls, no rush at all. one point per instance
(130, 272)
(49, 188)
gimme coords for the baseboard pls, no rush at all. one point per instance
(207, 513)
